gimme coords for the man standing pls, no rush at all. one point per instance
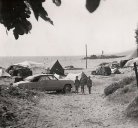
(83, 82)
(89, 84)
(77, 84)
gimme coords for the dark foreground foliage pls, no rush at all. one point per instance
(18, 108)
(14, 14)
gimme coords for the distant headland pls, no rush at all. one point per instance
(102, 57)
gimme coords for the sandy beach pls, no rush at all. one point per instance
(87, 110)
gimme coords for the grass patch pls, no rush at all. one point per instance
(132, 109)
(18, 107)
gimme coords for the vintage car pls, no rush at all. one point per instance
(45, 82)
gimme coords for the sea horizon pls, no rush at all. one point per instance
(76, 61)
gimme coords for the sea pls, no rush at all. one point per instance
(76, 61)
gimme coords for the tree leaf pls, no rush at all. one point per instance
(57, 2)
(92, 5)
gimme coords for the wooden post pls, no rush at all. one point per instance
(86, 55)
(135, 68)
(137, 50)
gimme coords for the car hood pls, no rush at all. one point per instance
(67, 81)
(21, 82)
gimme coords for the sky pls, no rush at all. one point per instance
(111, 28)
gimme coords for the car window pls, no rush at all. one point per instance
(52, 77)
(29, 78)
(44, 78)
(36, 79)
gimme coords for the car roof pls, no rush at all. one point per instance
(36, 75)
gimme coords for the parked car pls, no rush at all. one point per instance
(102, 70)
(45, 82)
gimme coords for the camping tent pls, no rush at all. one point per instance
(57, 68)
(72, 76)
(83, 79)
(133, 55)
(34, 66)
(3, 73)
(5, 78)
(130, 63)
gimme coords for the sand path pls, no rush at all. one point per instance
(82, 111)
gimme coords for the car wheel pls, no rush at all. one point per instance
(67, 89)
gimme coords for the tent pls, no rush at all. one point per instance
(30, 64)
(34, 66)
(5, 78)
(130, 63)
(122, 63)
(57, 68)
(72, 76)
(83, 79)
(3, 73)
(133, 55)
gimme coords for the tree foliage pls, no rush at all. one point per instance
(136, 36)
(14, 14)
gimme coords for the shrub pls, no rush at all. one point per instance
(116, 85)
(132, 109)
(17, 107)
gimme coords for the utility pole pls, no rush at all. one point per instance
(86, 55)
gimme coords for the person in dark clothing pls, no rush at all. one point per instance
(82, 83)
(89, 84)
(77, 84)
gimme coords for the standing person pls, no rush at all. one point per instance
(89, 84)
(83, 81)
(82, 85)
(77, 84)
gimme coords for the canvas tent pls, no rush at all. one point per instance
(5, 78)
(83, 79)
(56, 68)
(130, 63)
(3, 73)
(34, 66)
(72, 76)
(133, 55)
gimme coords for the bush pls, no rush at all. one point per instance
(7, 115)
(15, 92)
(17, 107)
(132, 109)
(114, 86)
